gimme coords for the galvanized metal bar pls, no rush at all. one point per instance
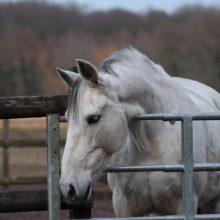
(5, 145)
(168, 217)
(160, 116)
(187, 157)
(200, 167)
(179, 116)
(206, 116)
(208, 217)
(145, 168)
(53, 163)
(196, 116)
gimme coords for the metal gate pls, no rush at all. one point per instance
(187, 167)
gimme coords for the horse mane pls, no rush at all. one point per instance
(129, 57)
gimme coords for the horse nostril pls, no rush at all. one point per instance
(72, 191)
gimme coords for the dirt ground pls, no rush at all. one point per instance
(29, 161)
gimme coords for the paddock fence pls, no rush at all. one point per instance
(6, 143)
(52, 108)
(44, 199)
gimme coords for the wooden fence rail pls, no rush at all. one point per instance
(28, 143)
(31, 200)
(31, 106)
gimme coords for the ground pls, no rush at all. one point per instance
(32, 161)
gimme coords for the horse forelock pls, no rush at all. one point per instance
(72, 106)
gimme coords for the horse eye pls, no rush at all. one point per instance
(92, 119)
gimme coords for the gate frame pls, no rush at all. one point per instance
(187, 166)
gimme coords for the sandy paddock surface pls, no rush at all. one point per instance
(29, 161)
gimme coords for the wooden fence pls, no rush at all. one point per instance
(6, 143)
(31, 106)
(45, 199)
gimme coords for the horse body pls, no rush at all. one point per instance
(125, 85)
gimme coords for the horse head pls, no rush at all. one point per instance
(97, 128)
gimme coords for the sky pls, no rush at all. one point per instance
(139, 5)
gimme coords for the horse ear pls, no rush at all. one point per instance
(88, 71)
(68, 77)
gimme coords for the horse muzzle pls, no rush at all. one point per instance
(76, 188)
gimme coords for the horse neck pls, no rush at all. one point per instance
(143, 95)
(146, 92)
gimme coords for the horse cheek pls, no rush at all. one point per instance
(115, 133)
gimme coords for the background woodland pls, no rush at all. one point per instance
(36, 37)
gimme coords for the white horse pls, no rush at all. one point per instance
(101, 131)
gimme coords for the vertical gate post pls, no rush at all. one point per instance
(187, 157)
(5, 137)
(53, 164)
